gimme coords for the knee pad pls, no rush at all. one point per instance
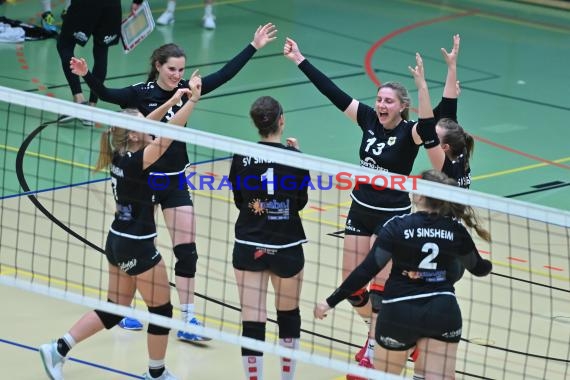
(253, 330)
(163, 310)
(376, 297)
(289, 323)
(186, 258)
(359, 298)
(109, 320)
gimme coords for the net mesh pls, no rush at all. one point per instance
(56, 212)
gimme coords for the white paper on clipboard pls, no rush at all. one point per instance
(136, 27)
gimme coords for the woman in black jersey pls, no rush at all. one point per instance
(268, 238)
(134, 262)
(457, 145)
(419, 305)
(390, 142)
(165, 77)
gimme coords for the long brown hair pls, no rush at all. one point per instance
(113, 140)
(446, 208)
(160, 56)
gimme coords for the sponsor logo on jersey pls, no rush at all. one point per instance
(391, 141)
(80, 36)
(126, 266)
(452, 334)
(153, 104)
(370, 131)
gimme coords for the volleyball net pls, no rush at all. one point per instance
(56, 212)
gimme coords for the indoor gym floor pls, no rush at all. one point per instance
(514, 100)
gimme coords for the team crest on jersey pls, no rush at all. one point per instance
(391, 141)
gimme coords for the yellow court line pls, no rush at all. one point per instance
(48, 157)
(533, 271)
(519, 169)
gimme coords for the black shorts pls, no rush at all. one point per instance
(401, 324)
(132, 256)
(285, 262)
(364, 221)
(175, 194)
(100, 18)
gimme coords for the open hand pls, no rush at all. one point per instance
(263, 35)
(451, 57)
(418, 71)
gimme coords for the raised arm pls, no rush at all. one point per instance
(262, 36)
(424, 130)
(339, 98)
(447, 108)
(158, 146)
(124, 97)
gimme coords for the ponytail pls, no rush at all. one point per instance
(105, 151)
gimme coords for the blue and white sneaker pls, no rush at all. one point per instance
(48, 22)
(130, 324)
(189, 337)
(53, 361)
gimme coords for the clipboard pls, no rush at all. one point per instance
(136, 27)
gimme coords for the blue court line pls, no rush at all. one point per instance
(93, 181)
(75, 360)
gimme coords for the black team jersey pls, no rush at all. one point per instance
(423, 247)
(134, 214)
(455, 169)
(269, 197)
(146, 97)
(384, 150)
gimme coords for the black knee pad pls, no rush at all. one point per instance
(186, 258)
(109, 320)
(289, 323)
(376, 297)
(253, 330)
(163, 310)
(359, 298)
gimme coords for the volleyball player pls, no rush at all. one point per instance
(134, 262)
(85, 18)
(419, 305)
(165, 77)
(390, 142)
(457, 145)
(268, 238)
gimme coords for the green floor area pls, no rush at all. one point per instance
(512, 67)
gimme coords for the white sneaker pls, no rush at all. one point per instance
(209, 22)
(53, 361)
(165, 376)
(166, 18)
(11, 35)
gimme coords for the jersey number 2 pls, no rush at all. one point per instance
(432, 250)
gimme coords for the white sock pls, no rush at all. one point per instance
(46, 5)
(69, 340)
(288, 365)
(370, 349)
(171, 6)
(155, 363)
(187, 311)
(208, 10)
(67, 3)
(253, 367)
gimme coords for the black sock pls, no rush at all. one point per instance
(156, 372)
(62, 347)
